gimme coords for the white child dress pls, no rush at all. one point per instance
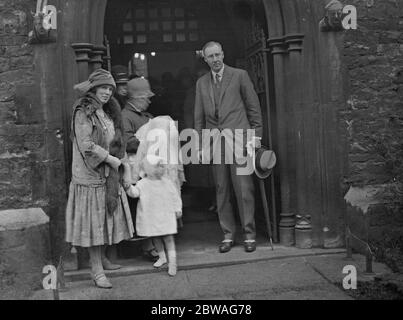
(158, 203)
(163, 130)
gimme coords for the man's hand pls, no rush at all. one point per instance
(178, 214)
(252, 145)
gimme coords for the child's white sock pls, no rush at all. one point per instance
(170, 245)
(161, 252)
(172, 267)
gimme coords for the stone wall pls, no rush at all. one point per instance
(22, 127)
(373, 57)
(21, 136)
(33, 134)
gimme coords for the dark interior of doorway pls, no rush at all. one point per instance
(164, 36)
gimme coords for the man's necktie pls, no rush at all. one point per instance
(216, 93)
(217, 79)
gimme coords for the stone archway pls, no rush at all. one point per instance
(308, 96)
(308, 93)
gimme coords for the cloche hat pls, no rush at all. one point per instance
(139, 87)
(99, 77)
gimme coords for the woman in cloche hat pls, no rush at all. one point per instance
(97, 212)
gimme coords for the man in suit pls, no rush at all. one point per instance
(226, 101)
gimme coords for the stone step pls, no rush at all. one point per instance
(206, 258)
(24, 245)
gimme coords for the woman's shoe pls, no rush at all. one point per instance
(101, 281)
(172, 269)
(213, 208)
(109, 265)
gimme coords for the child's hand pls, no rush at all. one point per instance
(132, 191)
(178, 214)
(126, 166)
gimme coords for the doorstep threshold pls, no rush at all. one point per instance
(204, 258)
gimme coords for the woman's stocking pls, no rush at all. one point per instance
(96, 260)
(106, 263)
(98, 274)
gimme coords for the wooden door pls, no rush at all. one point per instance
(258, 66)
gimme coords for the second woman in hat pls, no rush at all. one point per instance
(134, 116)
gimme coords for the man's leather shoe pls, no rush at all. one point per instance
(225, 246)
(250, 246)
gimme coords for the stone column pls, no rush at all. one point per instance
(83, 51)
(96, 57)
(296, 116)
(278, 49)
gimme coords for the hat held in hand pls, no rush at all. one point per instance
(265, 160)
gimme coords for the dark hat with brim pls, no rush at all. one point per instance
(121, 78)
(265, 160)
(120, 74)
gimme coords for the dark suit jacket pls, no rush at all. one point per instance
(132, 121)
(239, 106)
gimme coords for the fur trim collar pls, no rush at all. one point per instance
(90, 104)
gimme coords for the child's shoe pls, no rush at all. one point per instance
(160, 262)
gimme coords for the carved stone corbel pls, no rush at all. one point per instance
(277, 45)
(96, 57)
(332, 20)
(294, 41)
(44, 24)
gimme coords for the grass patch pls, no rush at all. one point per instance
(373, 290)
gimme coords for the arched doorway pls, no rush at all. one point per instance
(160, 40)
(305, 95)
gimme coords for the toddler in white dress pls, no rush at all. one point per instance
(159, 207)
